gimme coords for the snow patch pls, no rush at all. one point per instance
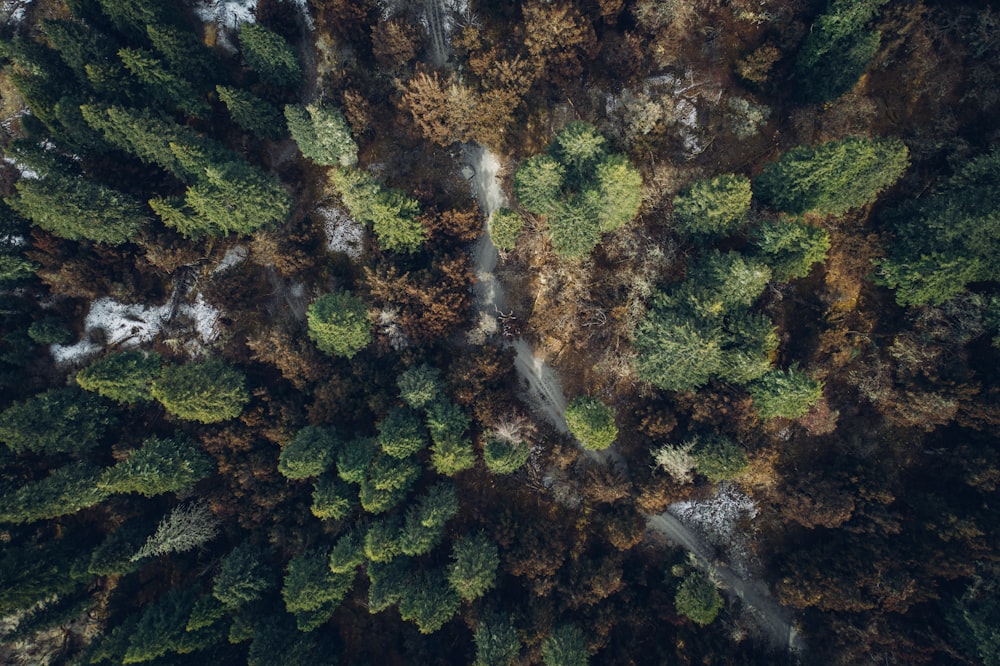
(234, 256)
(720, 520)
(12, 12)
(343, 234)
(204, 317)
(228, 14)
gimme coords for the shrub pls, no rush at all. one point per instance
(787, 394)
(697, 599)
(591, 422)
(205, 391)
(714, 207)
(505, 228)
(339, 324)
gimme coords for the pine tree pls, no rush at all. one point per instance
(401, 434)
(419, 385)
(505, 228)
(675, 353)
(162, 84)
(252, 113)
(205, 391)
(310, 453)
(65, 420)
(505, 457)
(578, 147)
(311, 591)
(473, 570)
(791, 248)
(64, 491)
(187, 526)
(425, 521)
(235, 197)
(592, 422)
(268, 55)
(354, 459)
(162, 629)
(565, 646)
(619, 188)
(159, 466)
(497, 641)
(322, 134)
(243, 578)
(339, 324)
(125, 377)
(332, 498)
(716, 457)
(538, 183)
(184, 53)
(391, 213)
(697, 599)
(714, 207)
(428, 601)
(348, 553)
(788, 394)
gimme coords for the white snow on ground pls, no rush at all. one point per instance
(26, 172)
(204, 317)
(13, 11)
(228, 14)
(721, 521)
(234, 256)
(343, 234)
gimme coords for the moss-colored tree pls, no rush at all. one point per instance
(64, 420)
(243, 578)
(788, 394)
(64, 491)
(163, 85)
(451, 451)
(716, 456)
(252, 113)
(419, 385)
(322, 134)
(428, 601)
(354, 459)
(505, 457)
(505, 228)
(473, 570)
(697, 599)
(425, 521)
(206, 612)
(387, 482)
(832, 178)
(675, 353)
(401, 433)
(751, 341)
(383, 540)
(332, 498)
(114, 554)
(339, 324)
(126, 377)
(391, 213)
(387, 583)
(791, 248)
(592, 422)
(565, 646)
(722, 284)
(207, 391)
(311, 591)
(310, 453)
(713, 207)
(159, 466)
(268, 55)
(538, 183)
(184, 52)
(578, 147)
(497, 641)
(619, 188)
(162, 629)
(574, 226)
(348, 552)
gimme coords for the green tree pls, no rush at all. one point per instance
(716, 456)
(504, 456)
(837, 49)
(348, 553)
(473, 571)
(451, 451)
(391, 213)
(339, 324)
(674, 352)
(159, 466)
(619, 188)
(383, 540)
(723, 283)
(387, 583)
(425, 521)
(162, 629)
(386, 483)
(574, 227)
(64, 491)
(788, 394)
(184, 52)
(244, 576)
(36, 567)
(833, 177)
(205, 391)
(578, 147)
(713, 207)
(251, 113)
(538, 183)
(114, 554)
(322, 134)
(310, 453)
(206, 612)
(697, 599)
(332, 498)
(428, 601)
(791, 248)
(497, 641)
(49, 331)
(592, 422)
(163, 85)
(354, 459)
(565, 646)
(419, 385)
(65, 420)
(750, 342)
(125, 377)
(268, 55)
(311, 591)
(505, 228)
(401, 434)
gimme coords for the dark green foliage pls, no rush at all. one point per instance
(332, 498)
(163, 85)
(391, 213)
(311, 591)
(243, 578)
(717, 457)
(401, 433)
(162, 629)
(946, 240)
(974, 619)
(268, 55)
(565, 646)
(80, 46)
(184, 52)
(159, 466)
(675, 352)
(791, 248)
(206, 611)
(65, 420)
(276, 635)
(714, 207)
(114, 555)
(833, 177)
(77, 208)
(339, 324)
(387, 482)
(425, 521)
(354, 458)
(428, 601)
(348, 553)
(125, 377)
(387, 583)
(205, 391)
(451, 452)
(788, 394)
(697, 599)
(538, 183)
(721, 284)
(505, 457)
(14, 267)
(751, 340)
(322, 134)
(837, 49)
(497, 641)
(446, 420)
(50, 330)
(310, 453)
(383, 541)
(252, 113)
(473, 570)
(592, 422)
(419, 385)
(505, 228)
(64, 491)
(131, 17)
(34, 569)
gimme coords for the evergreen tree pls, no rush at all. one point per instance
(184, 52)
(750, 342)
(332, 498)
(131, 17)
(425, 521)
(419, 385)
(716, 456)
(311, 591)
(697, 599)
(574, 227)
(832, 178)
(162, 629)
(788, 394)
(159, 466)
(251, 113)
(348, 553)
(538, 183)
(722, 284)
(791, 248)
(505, 228)
(714, 207)
(451, 452)
(401, 434)
(391, 213)
(310, 453)
(163, 85)
(64, 491)
(63, 420)
(354, 459)
(387, 583)
(387, 482)
(505, 457)
(125, 377)
(592, 422)
(205, 391)
(578, 147)
(339, 324)
(322, 134)
(114, 555)
(619, 188)
(243, 578)
(675, 353)
(565, 646)
(383, 541)
(473, 570)
(49, 331)
(268, 55)
(36, 567)
(206, 612)
(428, 601)
(497, 641)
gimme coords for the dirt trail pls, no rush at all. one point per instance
(434, 10)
